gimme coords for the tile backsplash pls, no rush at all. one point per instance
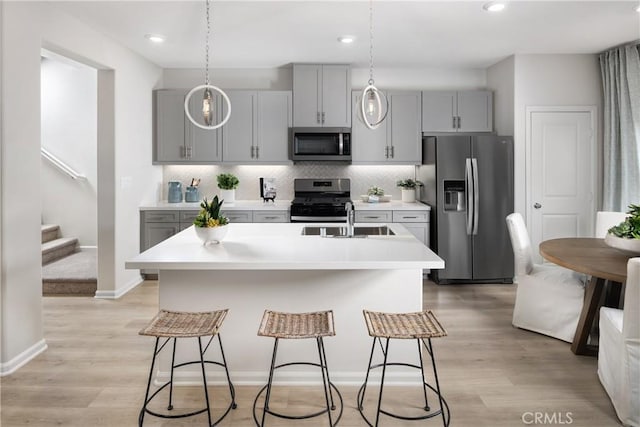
(362, 177)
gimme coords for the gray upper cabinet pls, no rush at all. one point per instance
(177, 140)
(321, 95)
(258, 129)
(462, 111)
(397, 140)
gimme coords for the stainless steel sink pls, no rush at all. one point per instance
(358, 231)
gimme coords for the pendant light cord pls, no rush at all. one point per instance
(370, 42)
(206, 68)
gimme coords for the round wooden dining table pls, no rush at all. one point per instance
(590, 256)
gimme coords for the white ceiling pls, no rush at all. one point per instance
(450, 33)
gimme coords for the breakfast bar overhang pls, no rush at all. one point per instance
(274, 266)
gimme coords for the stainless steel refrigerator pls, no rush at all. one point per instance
(469, 186)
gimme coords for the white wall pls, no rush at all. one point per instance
(69, 132)
(26, 28)
(500, 79)
(552, 80)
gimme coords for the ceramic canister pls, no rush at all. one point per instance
(175, 192)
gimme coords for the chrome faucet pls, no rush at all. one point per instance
(351, 218)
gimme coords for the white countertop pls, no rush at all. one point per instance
(283, 247)
(283, 205)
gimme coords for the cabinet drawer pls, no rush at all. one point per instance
(187, 217)
(270, 216)
(160, 216)
(410, 216)
(373, 216)
(238, 216)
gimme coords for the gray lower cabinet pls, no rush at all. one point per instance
(398, 140)
(238, 216)
(258, 129)
(417, 222)
(156, 226)
(270, 216)
(176, 139)
(457, 111)
(373, 216)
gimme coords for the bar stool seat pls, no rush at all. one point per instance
(172, 325)
(316, 325)
(421, 326)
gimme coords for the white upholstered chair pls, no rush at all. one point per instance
(607, 219)
(549, 298)
(619, 350)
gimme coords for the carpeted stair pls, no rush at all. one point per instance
(65, 271)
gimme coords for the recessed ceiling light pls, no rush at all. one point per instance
(346, 39)
(156, 38)
(494, 6)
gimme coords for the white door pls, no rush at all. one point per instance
(561, 173)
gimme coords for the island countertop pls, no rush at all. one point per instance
(283, 247)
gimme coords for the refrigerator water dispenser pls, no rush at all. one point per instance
(454, 195)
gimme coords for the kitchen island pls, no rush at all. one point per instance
(274, 266)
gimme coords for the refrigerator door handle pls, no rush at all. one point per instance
(468, 184)
(476, 195)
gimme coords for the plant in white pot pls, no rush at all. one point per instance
(211, 226)
(409, 187)
(626, 235)
(227, 183)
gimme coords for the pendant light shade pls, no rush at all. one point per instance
(210, 93)
(374, 105)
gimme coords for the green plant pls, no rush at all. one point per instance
(375, 191)
(209, 215)
(228, 181)
(630, 227)
(408, 184)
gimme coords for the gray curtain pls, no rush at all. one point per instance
(621, 81)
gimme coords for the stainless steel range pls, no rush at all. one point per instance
(320, 200)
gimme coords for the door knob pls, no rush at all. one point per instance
(537, 206)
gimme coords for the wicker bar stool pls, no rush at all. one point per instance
(172, 325)
(298, 326)
(421, 326)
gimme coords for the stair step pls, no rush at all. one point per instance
(58, 248)
(73, 275)
(49, 232)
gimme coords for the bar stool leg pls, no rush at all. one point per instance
(326, 367)
(146, 395)
(435, 374)
(232, 391)
(204, 380)
(268, 395)
(366, 378)
(325, 383)
(424, 386)
(173, 363)
(384, 369)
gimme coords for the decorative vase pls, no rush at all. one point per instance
(211, 234)
(175, 192)
(409, 195)
(229, 196)
(629, 246)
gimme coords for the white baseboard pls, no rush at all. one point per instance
(93, 249)
(8, 368)
(115, 294)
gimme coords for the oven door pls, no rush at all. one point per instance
(317, 213)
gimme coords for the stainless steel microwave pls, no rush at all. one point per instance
(320, 144)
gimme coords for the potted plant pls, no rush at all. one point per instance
(210, 224)
(409, 187)
(228, 183)
(626, 235)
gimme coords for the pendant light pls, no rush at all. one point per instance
(208, 98)
(374, 105)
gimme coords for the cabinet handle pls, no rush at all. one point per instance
(409, 217)
(323, 117)
(189, 151)
(386, 152)
(373, 217)
(458, 122)
(318, 117)
(257, 152)
(252, 147)
(454, 122)
(270, 217)
(393, 152)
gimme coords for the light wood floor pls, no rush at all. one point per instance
(94, 372)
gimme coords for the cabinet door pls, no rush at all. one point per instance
(336, 96)
(373, 216)
(203, 145)
(239, 134)
(438, 111)
(156, 232)
(475, 111)
(273, 123)
(270, 216)
(404, 134)
(420, 230)
(368, 145)
(306, 95)
(238, 216)
(169, 123)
